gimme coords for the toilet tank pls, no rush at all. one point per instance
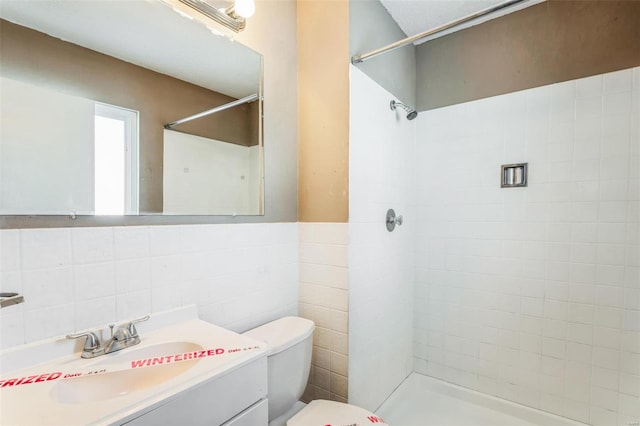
(291, 341)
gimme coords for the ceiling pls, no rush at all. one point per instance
(417, 16)
(146, 33)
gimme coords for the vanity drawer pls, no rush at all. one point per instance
(258, 415)
(215, 402)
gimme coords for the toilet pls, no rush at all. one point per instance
(289, 362)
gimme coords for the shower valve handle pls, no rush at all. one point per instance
(393, 220)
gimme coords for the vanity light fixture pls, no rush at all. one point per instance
(233, 16)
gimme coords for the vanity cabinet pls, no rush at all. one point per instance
(237, 398)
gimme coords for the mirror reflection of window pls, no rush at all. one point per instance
(116, 170)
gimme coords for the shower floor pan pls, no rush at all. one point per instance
(423, 401)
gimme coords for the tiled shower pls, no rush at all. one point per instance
(529, 294)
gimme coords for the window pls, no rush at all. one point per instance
(116, 160)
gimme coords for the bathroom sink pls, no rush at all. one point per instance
(177, 354)
(128, 371)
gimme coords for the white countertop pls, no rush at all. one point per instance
(208, 352)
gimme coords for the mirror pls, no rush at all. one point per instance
(101, 106)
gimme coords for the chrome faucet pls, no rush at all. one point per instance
(124, 336)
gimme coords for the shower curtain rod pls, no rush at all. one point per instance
(231, 104)
(356, 59)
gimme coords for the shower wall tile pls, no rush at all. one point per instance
(531, 294)
(73, 279)
(324, 299)
(381, 273)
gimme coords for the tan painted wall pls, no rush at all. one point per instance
(323, 110)
(554, 41)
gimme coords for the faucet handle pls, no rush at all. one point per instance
(91, 343)
(132, 328)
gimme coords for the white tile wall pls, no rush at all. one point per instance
(324, 299)
(72, 279)
(381, 149)
(532, 294)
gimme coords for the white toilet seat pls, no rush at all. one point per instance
(321, 412)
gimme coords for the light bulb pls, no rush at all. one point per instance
(245, 8)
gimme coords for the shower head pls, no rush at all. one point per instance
(411, 113)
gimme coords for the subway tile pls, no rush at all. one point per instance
(9, 249)
(630, 405)
(584, 232)
(339, 363)
(324, 254)
(611, 274)
(604, 378)
(166, 240)
(602, 417)
(131, 242)
(616, 103)
(578, 352)
(612, 211)
(554, 348)
(588, 107)
(577, 391)
(631, 298)
(584, 253)
(606, 358)
(580, 333)
(576, 410)
(164, 297)
(607, 295)
(42, 248)
(322, 378)
(551, 403)
(339, 385)
(47, 287)
(556, 329)
(95, 313)
(48, 322)
(94, 281)
(132, 305)
(611, 254)
(11, 282)
(324, 275)
(581, 313)
(629, 384)
(618, 81)
(92, 245)
(615, 233)
(583, 273)
(552, 385)
(12, 327)
(604, 398)
(629, 362)
(607, 316)
(322, 338)
(555, 309)
(614, 167)
(576, 371)
(631, 341)
(590, 86)
(132, 275)
(613, 190)
(587, 149)
(607, 337)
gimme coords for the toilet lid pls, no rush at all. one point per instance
(321, 412)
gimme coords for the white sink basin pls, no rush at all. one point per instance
(172, 357)
(125, 380)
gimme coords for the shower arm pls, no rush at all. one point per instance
(356, 59)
